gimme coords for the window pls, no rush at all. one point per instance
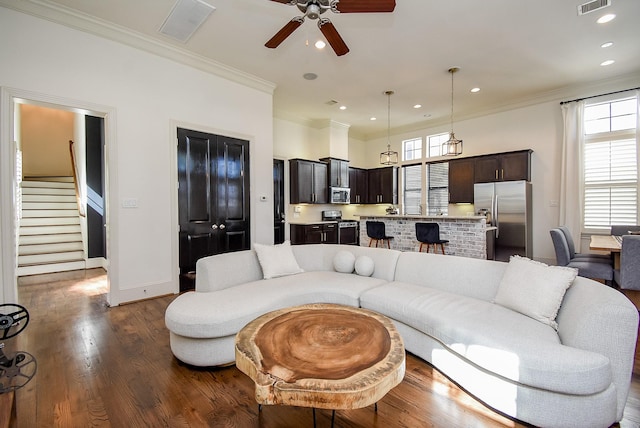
(438, 188)
(412, 189)
(434, 144)
(412, 149)
(611, 163)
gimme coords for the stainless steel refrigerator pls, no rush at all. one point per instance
(509, 208)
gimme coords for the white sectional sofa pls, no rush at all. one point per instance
(456, 313)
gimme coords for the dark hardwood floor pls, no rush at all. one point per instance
(112, 367)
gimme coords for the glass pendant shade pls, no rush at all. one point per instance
(389, 157)
(452, 147)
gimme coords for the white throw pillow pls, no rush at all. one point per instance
(276, 260)
(534, 289)
(344, 261)
(364, 266)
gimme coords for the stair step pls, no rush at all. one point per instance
(57, 205)
(62, 247)
(49, 239)
(47, 191)
(70, 256)
(50, 221)
(50, 230)
(48, 198)
(49, 178)
(49, 268)
(49, 213)
(50, 184)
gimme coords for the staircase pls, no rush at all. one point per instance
(50, 237)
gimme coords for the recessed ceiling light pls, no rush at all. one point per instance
(373, 118)
(607, 62)
(417, 106)
(606, 18)
(606, 45)
(474, 90)
(343, 107)
(310, 76)
(320, 44)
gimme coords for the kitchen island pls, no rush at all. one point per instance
(467, 235)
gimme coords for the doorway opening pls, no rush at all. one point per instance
(59, 191)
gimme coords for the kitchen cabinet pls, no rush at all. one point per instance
(382, 185)
(461, 180)
(510, 166)
(358, 182)
(320, 233)
(308, 183)
(338, 174)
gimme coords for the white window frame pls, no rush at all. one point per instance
(598, 146)
(405, 149)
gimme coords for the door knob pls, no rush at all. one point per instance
(222, 227)
(214, 226)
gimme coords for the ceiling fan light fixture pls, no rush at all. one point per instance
(389, 157)
(453, 146)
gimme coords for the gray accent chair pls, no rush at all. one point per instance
(628, 276)
(586, 268)
(621, 230)
(582, 256)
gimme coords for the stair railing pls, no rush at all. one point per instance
(74, 167)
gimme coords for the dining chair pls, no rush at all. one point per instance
(586, 268)
(621, 229)
(429, 233)
(582, 256)
(628, 276)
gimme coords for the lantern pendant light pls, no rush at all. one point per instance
(453, 146)
(389, 157)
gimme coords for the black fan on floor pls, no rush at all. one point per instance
(16, 369)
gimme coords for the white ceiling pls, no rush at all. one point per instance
(516, 51)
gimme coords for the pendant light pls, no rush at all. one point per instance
(453, 146)
(389, 157)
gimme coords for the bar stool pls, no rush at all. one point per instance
(429, 233)
(376, 232)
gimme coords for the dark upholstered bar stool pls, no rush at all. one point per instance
(429, 233)
(376, 232)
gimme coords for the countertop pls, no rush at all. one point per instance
(308, 222)
(450, 217)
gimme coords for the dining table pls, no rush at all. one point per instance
(611, 243)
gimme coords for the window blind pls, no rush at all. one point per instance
(412, 179)
(438, 188)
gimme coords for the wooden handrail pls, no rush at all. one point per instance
(75, 178)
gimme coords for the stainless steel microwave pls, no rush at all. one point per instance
(339, 195)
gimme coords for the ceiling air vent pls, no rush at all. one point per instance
(331, 102)
(185, 18)
(593, 6)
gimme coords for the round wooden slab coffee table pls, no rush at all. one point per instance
(321, 356)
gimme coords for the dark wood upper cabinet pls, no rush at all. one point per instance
(358, 182)
(338, 172)
(510, 166)
(461, 180)
(308, 183)
(383, 185)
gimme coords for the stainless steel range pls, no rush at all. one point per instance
(347, 229)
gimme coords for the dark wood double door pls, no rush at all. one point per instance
(213, 197)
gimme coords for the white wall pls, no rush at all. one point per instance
(148, 97)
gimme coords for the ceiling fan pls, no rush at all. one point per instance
(312, 9)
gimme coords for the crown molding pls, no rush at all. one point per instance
(79, 21)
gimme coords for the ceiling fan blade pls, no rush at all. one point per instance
(284, 32)
(363, 6)
(282, 1)
(331, 34)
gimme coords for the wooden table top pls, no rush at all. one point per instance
(605, 243)
(321, 356)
